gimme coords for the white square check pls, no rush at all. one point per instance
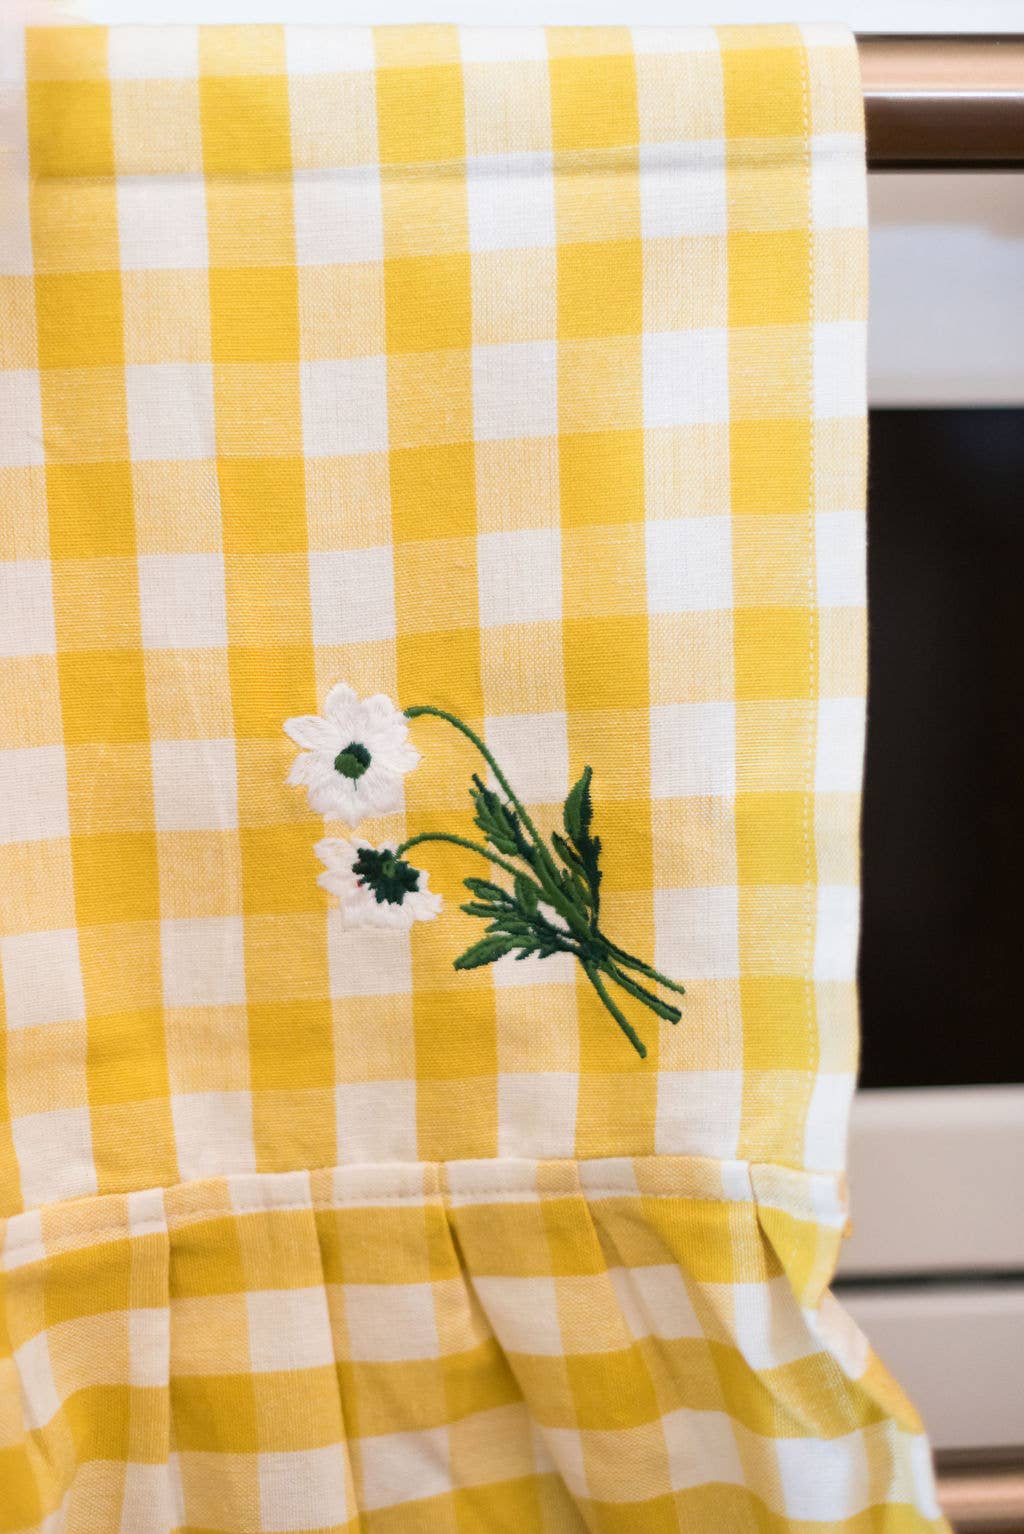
(367, 961)
(338, 216)
(303, 1490)
(682, 189)
(161, 221)
(922, 1473)
(689, 564)
(26, 607)
(838, 185)
(533, 750)
(827, 1123)
(842, 565)
(152, 1494)
(515, 390)
(537, 1109)
(203, 961)
(149, 1338)
(836, 932)
(840, 372)
(195, 785)
(289, 1329)
(698, 1112)
(23, 1241)
(510, 973)
(523, 1313)
(181, 601)
(696, 1440)
(843, 1337)
(768, 1323)
(405, 1467)
(39, 1399)
(693, 750)
(823, 1479)
(686, 377)
(170, 410)
(42, 978)
(352, 595)
(697, 932)
(54, 1152)
(498, 45)
(665, 40)
(390, 1322)
(376, 1121)
(344, 406)
(213, 1133)
(152, 52)
(511, 201)
(21, 441)
(16, 253)
(33, 794)
(566, 1448)
(329, 50)
(519, 576)
(840, 754)
(655, 1301)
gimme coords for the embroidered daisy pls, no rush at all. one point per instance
(353, 758)
(375, 886)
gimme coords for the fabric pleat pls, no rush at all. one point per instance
(523, 1346)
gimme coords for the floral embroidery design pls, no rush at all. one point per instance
(354, 758)
(353, 764)
(376, 888)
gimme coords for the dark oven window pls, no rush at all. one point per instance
(942, 982)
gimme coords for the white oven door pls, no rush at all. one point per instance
(934, 1269)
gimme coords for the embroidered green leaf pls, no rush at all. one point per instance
(579, 808)
(485, 890)
(527, 894)
(499, 822)
(487, 951)
(584, 854)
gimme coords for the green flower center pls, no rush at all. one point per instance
(353, 761)
(390, 878)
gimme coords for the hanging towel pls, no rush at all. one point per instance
(431, 708)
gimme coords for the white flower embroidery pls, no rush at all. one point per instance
(376, 888)
(353, 758)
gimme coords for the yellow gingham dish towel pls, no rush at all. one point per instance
(516, 376)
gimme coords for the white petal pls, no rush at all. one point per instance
(398, 756)
(339, 703)
(311, 732)
(337, 853)
(308, 768)
(423, 904)
(336, 797)
(379, 791)
(379, 707)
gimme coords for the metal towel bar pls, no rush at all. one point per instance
(944, 103)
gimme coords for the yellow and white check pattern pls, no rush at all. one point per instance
(519, 373)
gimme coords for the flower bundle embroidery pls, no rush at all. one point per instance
(352, 764)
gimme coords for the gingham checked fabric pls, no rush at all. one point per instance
(519, 373)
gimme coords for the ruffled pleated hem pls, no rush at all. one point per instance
(607, 1345)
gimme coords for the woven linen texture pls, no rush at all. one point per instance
(519, 373)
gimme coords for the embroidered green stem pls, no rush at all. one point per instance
(563, 878)
(457, 841)
(664, 1009)
(509, 791)
(629, 962)
(620, 1017)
